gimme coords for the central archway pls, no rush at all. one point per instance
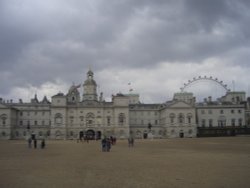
(90, 134)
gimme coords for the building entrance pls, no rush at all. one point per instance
(181, 135)
(90, 134)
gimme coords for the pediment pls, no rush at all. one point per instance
(180, 104)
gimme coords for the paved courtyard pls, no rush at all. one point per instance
(189, 162)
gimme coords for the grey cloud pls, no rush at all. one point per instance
(46, 40)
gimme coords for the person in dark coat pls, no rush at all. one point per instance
(104, 144)
(35, 143)
(43, 143)
(30, 142)
(108, 144)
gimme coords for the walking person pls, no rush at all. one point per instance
(35, 143)
(43, 144)
(30, 142)
(130, 141)
(104, 144)
(108, 144)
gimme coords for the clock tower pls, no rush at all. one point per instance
(89, 88)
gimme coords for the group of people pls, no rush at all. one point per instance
(42, 144)
(107, 142)
(84, 138)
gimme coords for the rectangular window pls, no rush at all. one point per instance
(203, 123)
(71, 120)
(210, 123)
(221, 123)
(221, 112)
(240, 122)
(43, 122)
(232, 111)
(81, 118)
(202, 111)
(233, 122)
(239, 111)
(210, 111)
(35, 122)
(156, 122)
(21, 113)
(108, 121)
(20, 123)
(142, 122)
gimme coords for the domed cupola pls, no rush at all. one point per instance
(89, 87)
(90, 74)
(90, 79)
(73, 95)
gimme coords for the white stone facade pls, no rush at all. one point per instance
(68, 116)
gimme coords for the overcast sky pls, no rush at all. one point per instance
(157, 46)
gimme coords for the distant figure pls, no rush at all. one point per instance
(43, 144)
(108, 144)
(35, 143)
(130, 141)
(104, 144)
(86, 139)
(30, 142)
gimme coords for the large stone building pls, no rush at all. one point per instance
(72, 115)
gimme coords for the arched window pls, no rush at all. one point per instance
(71, 120)
(172, 131)
(58, 119)
(172, 116)
(121, 118)
(90, 119)
(98, 120)
(181, 118)
(108, 120)
(3, 118)
(160, 132)
(189, 118)
(190, 131)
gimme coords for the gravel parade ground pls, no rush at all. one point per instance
(188, 162)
